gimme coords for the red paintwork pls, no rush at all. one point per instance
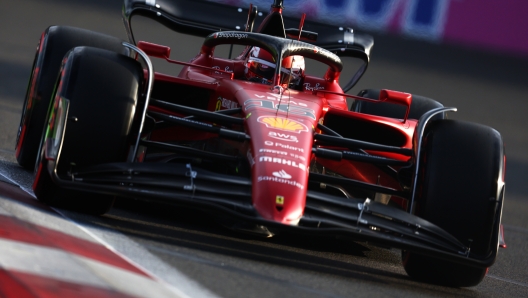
(163, 52)
(281, 129)
(398, 98)
(281, 126)
(154, 50)
(281, 150)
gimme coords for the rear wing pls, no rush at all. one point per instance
(201, 18)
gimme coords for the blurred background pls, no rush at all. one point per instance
(471, 54)
(489, 24)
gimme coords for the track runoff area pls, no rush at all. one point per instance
(45, 253)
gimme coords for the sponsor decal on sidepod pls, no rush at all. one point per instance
(226, 103)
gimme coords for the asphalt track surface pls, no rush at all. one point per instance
(191, 252)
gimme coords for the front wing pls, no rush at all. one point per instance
(182, 184)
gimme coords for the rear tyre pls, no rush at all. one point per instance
(55, 42)
(419, 106)
(102, 88)
(460, 189)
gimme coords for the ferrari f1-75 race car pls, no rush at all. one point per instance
(259, 141)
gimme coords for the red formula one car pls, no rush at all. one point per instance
(258, 140)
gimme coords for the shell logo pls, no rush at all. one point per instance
(282, 124)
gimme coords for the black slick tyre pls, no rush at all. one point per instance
(54, 43)
(460, 189)
(419, 106)
(102, 88)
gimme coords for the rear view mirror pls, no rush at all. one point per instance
(154, 50)
(397, 97)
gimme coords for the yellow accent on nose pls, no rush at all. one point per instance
(284, 124)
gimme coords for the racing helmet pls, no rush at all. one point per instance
(260, 67)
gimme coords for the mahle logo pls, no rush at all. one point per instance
(282, 161)
(282, 124)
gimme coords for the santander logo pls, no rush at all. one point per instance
(282, 174)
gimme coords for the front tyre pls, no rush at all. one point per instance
(460, 189)
(102, 89)
(54, 43)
